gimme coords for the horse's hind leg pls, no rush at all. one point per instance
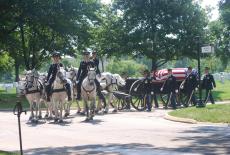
(31, 111)
(61, 110)
(87, 110)
(92, 109)
(39, 110)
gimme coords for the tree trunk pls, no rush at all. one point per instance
(16, 67)
(27, 65)
(154, 64)
(102, 64)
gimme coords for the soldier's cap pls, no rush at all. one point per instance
(206, 68)
(85, 52)
(189, 68)
(169, 69)
(56, 54)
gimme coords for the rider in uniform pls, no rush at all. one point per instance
(95, 61)
(82, 71)
(53, 69)
(170, 87)
(208, 83)
(190, 84)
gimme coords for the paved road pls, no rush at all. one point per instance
(128, 133)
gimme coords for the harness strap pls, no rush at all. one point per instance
(88, 91)
(58, 90)
(32, 91)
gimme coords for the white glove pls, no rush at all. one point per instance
(176, 91)
(161, 89)
(77, 82)
(47, 83)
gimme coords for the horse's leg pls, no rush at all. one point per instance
(47, 109)
(55, 108)
(92, 108)
(106, 110)
(39, 110)
(62, 102)
(31, 110)
(99, 106)
(86, 109)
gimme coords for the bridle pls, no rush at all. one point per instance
(30, 83)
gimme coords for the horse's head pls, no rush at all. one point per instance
(31, 77)
(91, 75)
(120, 80)
(20, 89)
(61, 75)
(72, 73)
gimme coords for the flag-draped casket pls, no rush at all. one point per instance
(179, 73)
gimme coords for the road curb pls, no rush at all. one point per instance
(179, 119)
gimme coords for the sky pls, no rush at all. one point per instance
(204, 3)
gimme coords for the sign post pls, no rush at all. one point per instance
(200, 102)
(17, 111)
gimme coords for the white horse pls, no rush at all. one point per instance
(88, 93)
(59, 95)
(32, 88)
(110, 84)
(72, 75)
(49, 108)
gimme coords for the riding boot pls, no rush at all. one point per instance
(78, 91)
(68, 90)
(48, 92)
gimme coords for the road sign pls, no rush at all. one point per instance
(207, 49)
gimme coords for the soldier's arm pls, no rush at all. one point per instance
(79, 71)
(99, 72)
(54, 73)
(49, 73)
(213, 81)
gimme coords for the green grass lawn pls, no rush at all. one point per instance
(222, 91)
(216, 113)
(7, 153)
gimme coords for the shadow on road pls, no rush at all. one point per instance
(200, 140)
(206, 140)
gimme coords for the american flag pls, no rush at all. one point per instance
(179, 73)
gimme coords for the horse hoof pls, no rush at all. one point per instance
(106, 112)
(56, 120)
(46, 116)
(78, 112)
(91, 118)
(82, 113)
(87, 120)
(30, 118)
(39, 117)
(50, 118)
(66, 114)
(61, 121)
(114, 111)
